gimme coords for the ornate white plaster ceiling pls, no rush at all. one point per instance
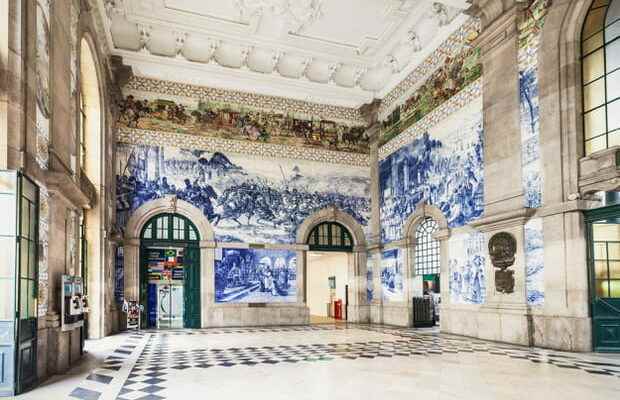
(343, 52)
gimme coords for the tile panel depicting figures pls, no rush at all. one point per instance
(328, 361)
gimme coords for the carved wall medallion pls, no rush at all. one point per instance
(502, 249)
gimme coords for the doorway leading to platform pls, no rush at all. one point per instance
(328, 272)
(170, 273)
(604, 268)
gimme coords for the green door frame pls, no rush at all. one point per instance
(605, 312)
(191, 284)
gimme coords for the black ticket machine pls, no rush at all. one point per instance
(74, 302)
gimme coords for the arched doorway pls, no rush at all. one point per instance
(169, 272)
(427, 261)
(328, 272)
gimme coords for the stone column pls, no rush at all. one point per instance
(207, 280)
(504, 317)
(131, 262)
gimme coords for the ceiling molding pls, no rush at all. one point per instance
(343, 52)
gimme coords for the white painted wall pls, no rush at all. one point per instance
(320, 266)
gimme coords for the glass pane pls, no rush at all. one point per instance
(597, 144)
(148, 232)
(8, 182)
(7, 305)
(594, 94)
(615, 289)
(614, 269)
(593, 43)
(613, 14)
(614, 250)
(599, 3)
(25, 218)
(614, 138)
(600, 251)
(32, 261)
(602, 288)
(600, 270)
(23, 262)
(594, 123)
(594, 22)
(612, 31)
(593, 66)
(23, 298)
(32, 300)
(612, 55)
(613, 86)
(613, 115)
(7, 205)
(29, 190)
(7, 258)
(33, 221)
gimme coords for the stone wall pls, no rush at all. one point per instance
(39, 136)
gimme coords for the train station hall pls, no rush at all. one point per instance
(309, 199)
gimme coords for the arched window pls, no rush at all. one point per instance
(601, 75)
(170, 227)
(427, 260)
(330, 236)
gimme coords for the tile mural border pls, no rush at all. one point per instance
(158, 138)
(456, 103)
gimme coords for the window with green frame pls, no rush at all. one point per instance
(330, 236)
(600, 48)
(170, 227)
(28, 242)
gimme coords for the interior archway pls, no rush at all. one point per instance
(89, 140)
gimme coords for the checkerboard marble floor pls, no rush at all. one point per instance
(333, 362)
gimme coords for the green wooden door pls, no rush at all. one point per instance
(191, 289)
(604, 268)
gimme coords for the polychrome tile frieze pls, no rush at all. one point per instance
(443, 167)
(157, 138)
(466, 262)
(454, 75)
(457, 102)
(240, 121)
(246, 199)
(530, 31)
(42, 93)
(255, 276)
(392, 276)
(534, 262)
(445, 54)
(251, 100)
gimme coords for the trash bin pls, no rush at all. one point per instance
(423, 312)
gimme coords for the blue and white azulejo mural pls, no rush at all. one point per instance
(466, 265)
(534, 262)
(442, 170)
(392, 277)
(255, 276)
(246, 199)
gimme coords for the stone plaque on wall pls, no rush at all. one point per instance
(502, 249)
